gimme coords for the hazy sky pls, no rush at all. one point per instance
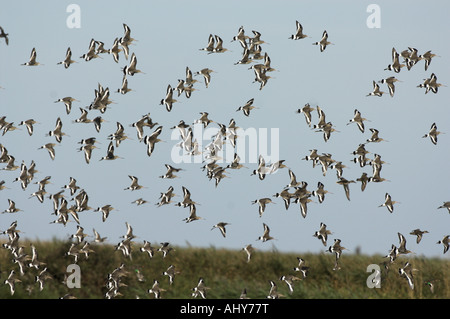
(168, 38)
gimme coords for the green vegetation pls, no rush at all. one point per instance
(226, 272)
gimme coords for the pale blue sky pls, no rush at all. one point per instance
(169, 36)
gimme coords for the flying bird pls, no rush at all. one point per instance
(376, 90)
(407, 272)
(445, 242)
(273, 292)
(68, 59)
(345, 183)
(110, 156)
(124, 89)
(358, 119)
(206, 73)
(192, 214)
(218, 48)
(262, 202)
(322, 234)
(29, 125)
(115, 50)
(266, 235)
(301, 267)
(402, 250)
(390, 84)
(298, 33)
(221, 227)
(131, 69)
(92, 52)
(12, 207)
(210, 46)
(388, 203)
(247, 107)
(418, 233)
(156, 289)
(249, 249)
(337, 249)
(395, 66)
(306, 110)
(152, 139)
(433, 134)
(11, 281)
(290, 280)
(171, 272)
(323, 43)
(32, 61)
(134, 183)
(445, 205)
(67, 102)
(427, 56)
(4, 35)
(168, 100)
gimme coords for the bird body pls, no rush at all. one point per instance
(401, 249)
(433, 134)
(323, 43)
(221, 227)
(131, 69)
(262, 202)
(200, 289)
(32, 61)
(286, 196)
(290, 280)
(273, 292)
(11, 281)
(301, 267)
(445, 205)
(171, 272)
(390, 83)
(418, 233)
(445, 242)
(337, 249)
(147, 248)
(168, 100)
(427, 56)
(266, 235)
(68, 59)
(110, 156)
(395, 66)
(407, 272)
(134, 183)
(299, 32)
(306, 110)
(92, 52)
(359, 120)
(12, 207)
(388, 203)
(156, 289)
(249, 249)
(165, 249)
(192, 214)
(322, 234)
(376, 90)
(247, 107)
(345, 183)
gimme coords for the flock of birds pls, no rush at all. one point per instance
(295, 191)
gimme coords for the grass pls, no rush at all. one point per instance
(226, 272)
